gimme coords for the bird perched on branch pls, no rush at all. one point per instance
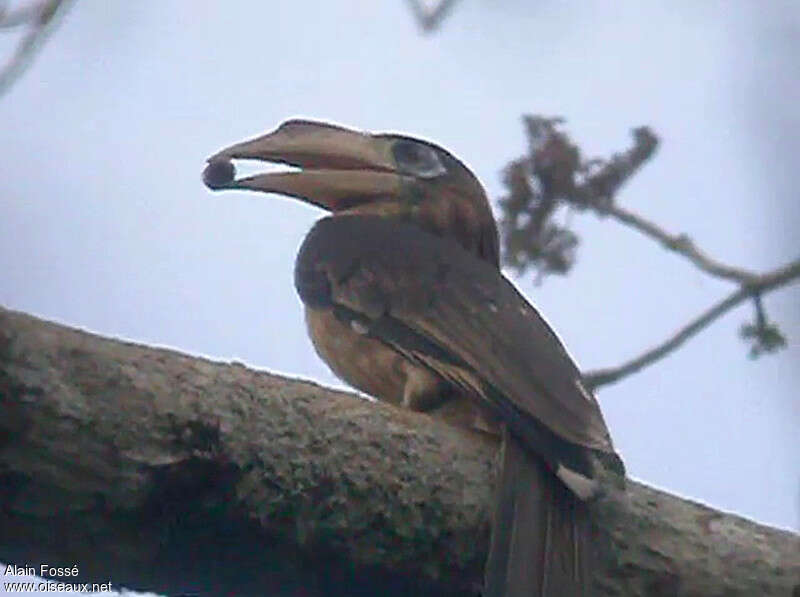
(405, 301)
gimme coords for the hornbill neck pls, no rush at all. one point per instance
(466, 220)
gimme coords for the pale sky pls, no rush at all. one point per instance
(105, 224)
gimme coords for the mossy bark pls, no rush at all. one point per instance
(170, 473)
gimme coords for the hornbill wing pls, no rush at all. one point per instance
(434, 302)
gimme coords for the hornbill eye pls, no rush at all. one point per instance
(417, 159)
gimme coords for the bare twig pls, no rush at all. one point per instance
(38, 16)
(761, 316)
(679, 243)
(756, 286)
(20, 15)
(430, 18)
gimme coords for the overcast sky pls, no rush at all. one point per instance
(105, 224)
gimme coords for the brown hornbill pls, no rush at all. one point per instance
(405, 301)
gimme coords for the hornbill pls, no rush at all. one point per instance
(405, 301)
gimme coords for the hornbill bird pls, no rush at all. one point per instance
(405, 301)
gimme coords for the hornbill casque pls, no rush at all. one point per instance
(405, 301)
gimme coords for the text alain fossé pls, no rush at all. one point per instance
(54, 578)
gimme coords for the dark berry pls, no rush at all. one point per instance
(219, 173)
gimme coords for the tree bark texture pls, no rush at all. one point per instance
(175, 474)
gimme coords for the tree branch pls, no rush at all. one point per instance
(757, 285)
(554, 173)
(174, 474)
(430, 19)
(679, 243)
(38, 16)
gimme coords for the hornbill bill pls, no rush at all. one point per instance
(405, 301)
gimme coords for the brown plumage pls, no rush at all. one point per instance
(405, 301)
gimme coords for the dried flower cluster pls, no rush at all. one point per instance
(553, 175)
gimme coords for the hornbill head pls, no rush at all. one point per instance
(348, 171)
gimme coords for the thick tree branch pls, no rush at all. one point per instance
(757, 285)
(175, 474)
